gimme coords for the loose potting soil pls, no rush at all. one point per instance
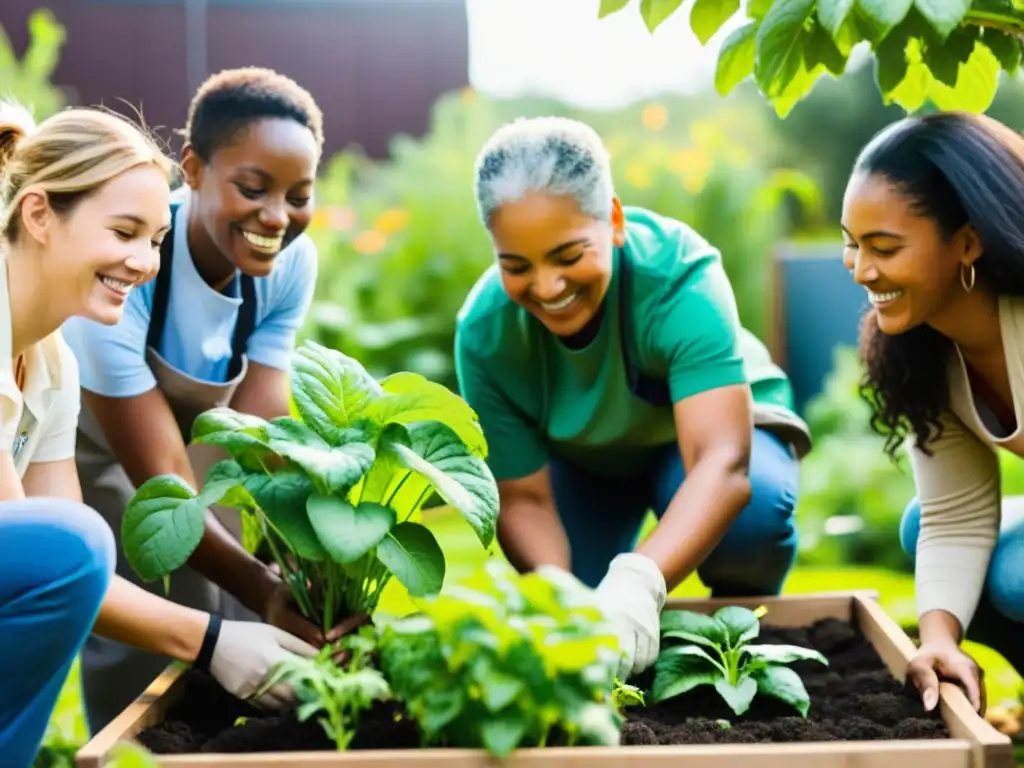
(853, 698)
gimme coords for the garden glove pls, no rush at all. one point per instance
(246, 653)
(632, 594)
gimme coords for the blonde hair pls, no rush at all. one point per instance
(67, 156)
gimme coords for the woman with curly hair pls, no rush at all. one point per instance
(934, 224)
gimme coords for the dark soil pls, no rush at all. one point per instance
(855, 698)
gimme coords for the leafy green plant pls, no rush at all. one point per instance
(332, 493)
(505, 660)
(947, 51)
(718, 652)
(341, 692)
(28, 81)
(626, 695)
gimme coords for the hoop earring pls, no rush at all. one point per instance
(963, 280)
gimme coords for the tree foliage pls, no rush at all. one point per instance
(947, 52)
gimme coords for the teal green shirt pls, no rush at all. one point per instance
(537, 397)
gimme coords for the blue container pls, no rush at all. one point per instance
(817, 306)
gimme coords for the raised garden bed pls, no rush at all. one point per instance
(861, 714)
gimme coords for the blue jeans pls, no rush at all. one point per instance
(603, 516)
(997, 622)
(56, 559)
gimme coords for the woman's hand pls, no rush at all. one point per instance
(943, 657)
(281, 611)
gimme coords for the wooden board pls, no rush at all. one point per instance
(974, 743)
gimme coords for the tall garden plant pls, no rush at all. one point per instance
(333, 493)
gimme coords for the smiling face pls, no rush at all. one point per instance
(109, 243)
(256, 194)
(555, 260)
(911, 272)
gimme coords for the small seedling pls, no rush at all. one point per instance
(625, 695)
(342, 693)
(718, 652)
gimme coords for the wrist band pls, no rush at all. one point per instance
(202, 662)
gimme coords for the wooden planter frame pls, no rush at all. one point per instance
(973, 743)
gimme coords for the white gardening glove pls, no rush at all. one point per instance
(632, 594)
(245, 654)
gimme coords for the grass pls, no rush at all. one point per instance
(463, 554)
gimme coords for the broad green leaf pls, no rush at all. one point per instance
(736, 58)
(943, 15)
(247, 445)
(676, 672)
(756, 9)
(164, 523)
(912, 90)
(443, 706)
(229, 469)
(1005, 47)
(693, 627)
(891, 60)
(784, 684)
(252, 531)
(228, 420)
(609, 7)
(411, 397)
(282, 498)
(413, 555)
(944, 59)
(461, 479)
(780, 44)
(882, 15)
(708, 16)
(821, 49)
(498, 689)
(347, 532)
(833, 13)
(784, 654)
(741, 625)
(654, 12)
(502, 734)
(329, 388)
(976, 85)
(335, 467)
(738, 696)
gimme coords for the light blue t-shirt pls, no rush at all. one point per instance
(200, 322)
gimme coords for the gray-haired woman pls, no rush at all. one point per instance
(604, 355)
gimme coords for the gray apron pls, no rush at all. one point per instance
(114, 674)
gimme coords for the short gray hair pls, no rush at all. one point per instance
(553, 155)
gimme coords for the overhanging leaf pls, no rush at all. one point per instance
(882, 15)
(708, 16)
(780, 44)
(609, 7)
(832, 14)
(943, 15)
(347, 532)
(413, 555)
(654, 12)
(461, 479)
(736, 58)
(976, 84)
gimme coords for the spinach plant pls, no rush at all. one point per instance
(718, 651)
(505, 660)
(334, 492)
(342, 693)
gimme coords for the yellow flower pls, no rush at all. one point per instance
(391, 221)
(638, 174)
(654, 117)
(468, 94)
(369, 242)
(690, 160)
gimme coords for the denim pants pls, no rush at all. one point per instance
(603, 516)
(56, 560)
(999, 621)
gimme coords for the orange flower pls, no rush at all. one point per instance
(391, 221)
(370, 242)
(654, 117)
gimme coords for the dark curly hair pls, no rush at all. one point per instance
(955, 168)
(230, 100)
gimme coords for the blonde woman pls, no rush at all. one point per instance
(84, 201)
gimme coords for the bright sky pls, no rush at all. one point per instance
(560, 48)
